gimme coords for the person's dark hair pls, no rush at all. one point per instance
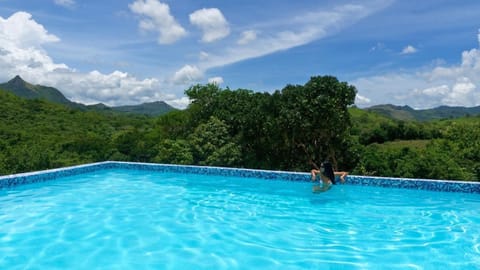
(328, 171)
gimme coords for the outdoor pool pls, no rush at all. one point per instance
(136, 218)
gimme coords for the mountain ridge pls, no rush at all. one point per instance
(27, 90)
(407, 113)
(21, 88)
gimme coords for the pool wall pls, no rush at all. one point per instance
(425, 184)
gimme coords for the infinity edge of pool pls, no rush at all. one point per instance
(9, 181)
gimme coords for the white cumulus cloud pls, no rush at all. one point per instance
(21, 40)
(215, 80)
(409, 50)
(21, 53)
(20, 30)
(187, 74)
(361, 100)
(247, 37)
(436, 91)
(212, 23)
(114, 88)
(453, 85)
(156, 17)
(462, 93)
(180, 103)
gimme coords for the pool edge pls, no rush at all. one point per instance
(8, 181)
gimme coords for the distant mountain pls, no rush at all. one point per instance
(99, 107)
(151, 108)
(407, 113)
(23, 89)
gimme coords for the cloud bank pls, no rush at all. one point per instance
(285, 34)
(22, 53)
(23, 41)
(454, 85)
(268, 37)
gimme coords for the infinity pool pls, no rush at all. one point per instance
(138, 219)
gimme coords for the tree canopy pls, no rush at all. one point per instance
(291, 129)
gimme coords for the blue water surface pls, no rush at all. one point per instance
(127, 219)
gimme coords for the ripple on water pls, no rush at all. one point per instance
(121, 220)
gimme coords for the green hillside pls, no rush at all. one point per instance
(36, 134)
(291, 129)
(21, 88)
(151, 108)
(407, 113)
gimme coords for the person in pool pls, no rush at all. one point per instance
(327, 177)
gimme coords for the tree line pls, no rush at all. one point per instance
(291, 129)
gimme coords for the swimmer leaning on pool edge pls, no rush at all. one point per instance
(327, 176)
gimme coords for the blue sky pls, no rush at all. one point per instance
(418, 53)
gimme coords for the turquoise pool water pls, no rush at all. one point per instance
(128, 219)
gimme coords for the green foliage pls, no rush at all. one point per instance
(315, 120)
(136, 145)
(173, 125)
(37, 135)
(287, 130)
(204, 101)
(90, 146)
(290, 129)
(374, 128)
(454, 156)
(174, 151)
(212, 144)
(26, 157)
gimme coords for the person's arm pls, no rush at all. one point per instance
(314, 174)
(342, 175)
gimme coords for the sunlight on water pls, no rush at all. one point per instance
(125, 219)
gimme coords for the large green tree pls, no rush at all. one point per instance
(316, 120)
(212, 144)
(290, 129)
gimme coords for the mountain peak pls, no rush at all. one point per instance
(21, 88)
(17, 81)
(24, 89)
